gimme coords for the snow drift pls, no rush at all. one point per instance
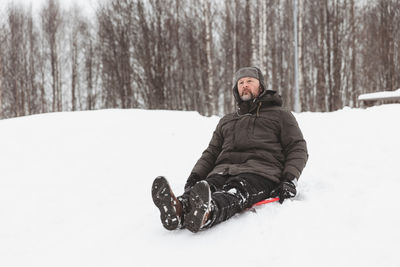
(75, 191)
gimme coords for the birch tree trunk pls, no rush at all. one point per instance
(234, 39)
(1, 81)
(329, 96)
(210, 72)
(302, 88)
(263, 36)
(50, 23)
(254, 36)
(353, 96)
(74, 68)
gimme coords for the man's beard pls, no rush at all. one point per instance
(247, 96)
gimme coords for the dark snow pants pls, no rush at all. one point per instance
(233, 194)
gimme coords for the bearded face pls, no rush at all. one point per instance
(248, 88)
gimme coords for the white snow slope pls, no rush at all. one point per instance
(75, 191)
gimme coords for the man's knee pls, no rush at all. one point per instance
(241, 188)
(250, 192)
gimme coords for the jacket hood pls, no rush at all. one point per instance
(270, 98)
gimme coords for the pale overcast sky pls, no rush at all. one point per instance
(87, 5)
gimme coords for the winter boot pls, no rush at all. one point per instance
(201, 206)
(170, 207)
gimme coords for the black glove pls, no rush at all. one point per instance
(285, 189)
(191, 181)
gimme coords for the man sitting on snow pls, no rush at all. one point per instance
(255, 153)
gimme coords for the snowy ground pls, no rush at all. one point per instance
(75, 191)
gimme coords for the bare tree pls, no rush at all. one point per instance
(80, 42)
(51, 23)
(15, 61)
(353, 91)
(335, 93)
(228, 54)
(386, 13)
(115, 26)
(2, 37)
(209, 64)
(90, 70)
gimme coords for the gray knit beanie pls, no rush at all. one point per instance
(246, 72)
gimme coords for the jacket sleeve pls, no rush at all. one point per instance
(293, 144)
(206, 163)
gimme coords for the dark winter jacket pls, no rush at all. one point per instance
(261, 138)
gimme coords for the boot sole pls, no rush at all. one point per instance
(164, 199)
(200, 201)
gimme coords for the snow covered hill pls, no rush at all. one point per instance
(75, 191)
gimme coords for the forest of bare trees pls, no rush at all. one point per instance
(182, 54)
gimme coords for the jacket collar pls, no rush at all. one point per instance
(267, 98)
